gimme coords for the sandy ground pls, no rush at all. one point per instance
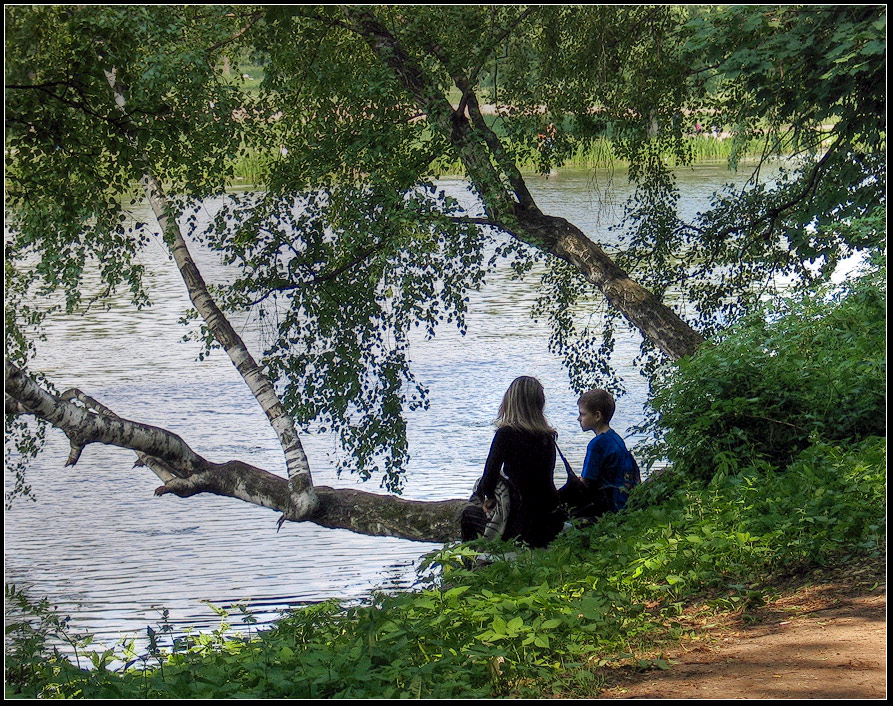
(822, 641)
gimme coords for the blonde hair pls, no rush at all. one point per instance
(522, 407)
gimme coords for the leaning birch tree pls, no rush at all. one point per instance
(361, 106)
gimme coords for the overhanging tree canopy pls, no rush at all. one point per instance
(361, 106)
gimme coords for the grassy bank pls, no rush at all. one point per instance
(253, 166)
(549, 621)
(717, 529)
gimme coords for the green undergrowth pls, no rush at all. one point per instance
(545, 621)
(778, 460)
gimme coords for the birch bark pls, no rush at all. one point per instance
(303, 498)
(514, 210)
(185, 473)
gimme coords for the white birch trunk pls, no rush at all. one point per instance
(304, 500)
(185, 473)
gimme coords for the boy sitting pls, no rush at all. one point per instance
(609, 471)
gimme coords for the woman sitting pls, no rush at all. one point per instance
(519, 468)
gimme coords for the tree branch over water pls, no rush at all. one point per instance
(343, 87)
(185, 473)
(479, 147)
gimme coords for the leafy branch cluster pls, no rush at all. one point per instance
(812, 366)
(344, 281)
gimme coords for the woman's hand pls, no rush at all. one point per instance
(489, 506)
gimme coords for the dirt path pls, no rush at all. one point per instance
(820, 641)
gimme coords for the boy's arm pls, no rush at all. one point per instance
(591, 465)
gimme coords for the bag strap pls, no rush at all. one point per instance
(567, 467)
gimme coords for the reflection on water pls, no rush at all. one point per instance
(110, 554)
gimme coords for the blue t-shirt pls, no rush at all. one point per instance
(609, 464)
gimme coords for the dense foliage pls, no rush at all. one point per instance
(552, 621)
(796, 370)
(73, 158)
(809, 83)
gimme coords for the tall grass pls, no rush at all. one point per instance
(253, 167)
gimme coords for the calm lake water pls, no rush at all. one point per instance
(112, 556)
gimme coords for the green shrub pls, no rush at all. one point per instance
(812, 366)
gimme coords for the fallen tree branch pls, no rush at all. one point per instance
(185, 473)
